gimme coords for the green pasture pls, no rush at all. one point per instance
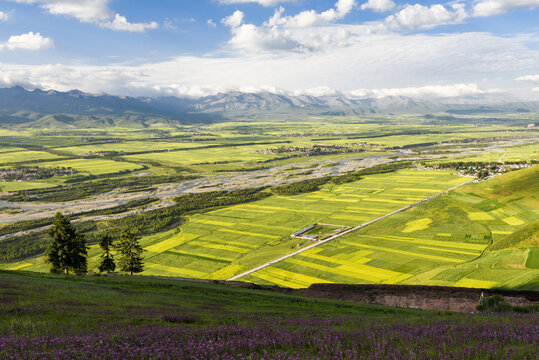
(134, 146)
(442, 242)
(8, 186)
(6, 149)
(95, 166)
(25, 156)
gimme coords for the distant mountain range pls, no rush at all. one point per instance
(38, 108)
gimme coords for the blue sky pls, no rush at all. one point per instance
(194, 48)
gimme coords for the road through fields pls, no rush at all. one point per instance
(331, 238)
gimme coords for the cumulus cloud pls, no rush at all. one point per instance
(378, 5)
(530, 78)
(4, 16)
(211, 23)
(28, 41)
(293, 33)
(120, 23)
(234, 20)
(310, 17)
(95, 11)
(260, 2)
(423, 17)
(497, 7)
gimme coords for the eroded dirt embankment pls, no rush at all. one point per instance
(423, 297)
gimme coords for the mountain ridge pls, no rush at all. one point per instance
(74, 108)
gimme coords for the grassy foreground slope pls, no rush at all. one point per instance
(481, 235)
(53, 317)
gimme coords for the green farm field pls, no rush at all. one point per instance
(26, 156)
(225, 242)
(134, 146)
(452, 240)
(6, 186)
(95, 166)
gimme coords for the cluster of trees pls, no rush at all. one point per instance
(161, 219)
(68, 252)
(378, 169)
(497, 304)
(300, 187)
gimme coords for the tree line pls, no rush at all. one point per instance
(310, 185)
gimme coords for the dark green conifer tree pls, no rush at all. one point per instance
(67, 250)
(107, 260)
(131, 259)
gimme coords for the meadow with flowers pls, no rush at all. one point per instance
(118, 317)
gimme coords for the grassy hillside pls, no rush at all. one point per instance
(53, 317)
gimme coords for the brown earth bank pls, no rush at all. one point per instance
(411, 296)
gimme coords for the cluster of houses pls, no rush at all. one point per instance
(34, 173)
(481, 170)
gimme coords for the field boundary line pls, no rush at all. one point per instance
(331, 238)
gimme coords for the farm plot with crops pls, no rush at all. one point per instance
(7, 186)
(467, 243)
(240, 155)
(25, 156)
(95, 166)
(227, 241)
(133, 146)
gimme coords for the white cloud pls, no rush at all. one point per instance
(536, 89)
(28, 41)
(497, 7)
(422, 17)
(310, 18)
(301, 32)
(86, 11)
(429, 91)
(378, 5)
(170, 24)
(4, 16)
(261, 2)
(234, 20)
(530, 78)
(433, 63)
(211, 23)
(94, 11)
(120, 23)
(317, 91)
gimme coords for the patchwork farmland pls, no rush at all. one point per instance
(448, 249)
(228, 241)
